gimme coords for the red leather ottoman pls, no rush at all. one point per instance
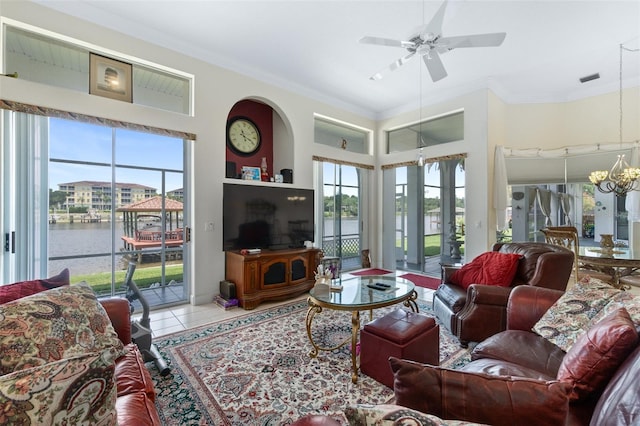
(402, 334)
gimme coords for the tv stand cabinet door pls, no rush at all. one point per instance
(299, 269)
(274, 272)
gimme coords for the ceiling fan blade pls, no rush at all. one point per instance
(435, 25)
(475, 40)
(381, 41)
(434, 66)
(393, 66)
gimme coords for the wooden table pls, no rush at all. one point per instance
(617, 262)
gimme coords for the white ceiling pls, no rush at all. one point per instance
(311, 47)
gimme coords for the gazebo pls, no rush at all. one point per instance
(151, 208)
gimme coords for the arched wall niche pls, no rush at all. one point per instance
(275, 131)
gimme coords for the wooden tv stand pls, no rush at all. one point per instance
(271, 274)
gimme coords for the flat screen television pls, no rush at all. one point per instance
(266, 217)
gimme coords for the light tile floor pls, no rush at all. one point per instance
(181, 317)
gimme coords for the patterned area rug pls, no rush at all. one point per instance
(255, 369)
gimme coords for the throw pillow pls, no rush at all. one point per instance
(490, 268)
(598, 353)
(569, 317)
(624, 299)
(479, 397)
(22, 289)
(53, 325)
(79, 390)
(393, 415)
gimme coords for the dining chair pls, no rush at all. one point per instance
(567, 236)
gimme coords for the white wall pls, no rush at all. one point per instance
(216, 91)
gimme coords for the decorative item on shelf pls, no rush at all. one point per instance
(606, 242)
(622, 178)
(264, 175)
(251, 173)
(287, 175)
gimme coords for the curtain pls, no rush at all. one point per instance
(632, 203)
(500, 188)
(544, 201)
(565, 205)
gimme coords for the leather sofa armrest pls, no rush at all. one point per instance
(553, 270)
(528, 304)
(479, 397)
(120, 316)
(484, 313)
(447, 272)
(481, 294)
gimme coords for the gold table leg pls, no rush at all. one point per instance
(355, 328)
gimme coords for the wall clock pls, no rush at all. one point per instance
(243, 136)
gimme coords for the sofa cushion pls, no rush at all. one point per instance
(453, 394)
(393, 415)
(598, 353)
(490, 268)
(53, 325)
(496, 367)
(78, 390)
(619, 404)
(569, 317)
(22, 289)
(521, 347)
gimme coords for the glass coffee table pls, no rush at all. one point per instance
(358, 295)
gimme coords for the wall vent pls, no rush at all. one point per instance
(590, 77)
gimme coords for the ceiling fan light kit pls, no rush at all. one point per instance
(429, 43)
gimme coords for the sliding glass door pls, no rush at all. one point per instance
(342, 224)
(103, 197)
(429, 216)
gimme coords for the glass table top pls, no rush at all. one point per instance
(623, 253)
(356, 293)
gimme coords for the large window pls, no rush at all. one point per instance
(342, 213)
(92, 199)
(430, 132)
(340, 135)
(51, 60)
(429, 215)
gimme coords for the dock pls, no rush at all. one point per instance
(152, 239)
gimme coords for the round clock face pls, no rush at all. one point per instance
(243, 136)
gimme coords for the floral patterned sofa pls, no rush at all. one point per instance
(66, 358)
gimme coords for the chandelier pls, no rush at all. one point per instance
(622, 178)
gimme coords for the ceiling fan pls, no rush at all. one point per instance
(427, 41)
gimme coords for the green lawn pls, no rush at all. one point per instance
(143, 277)
(432, 245)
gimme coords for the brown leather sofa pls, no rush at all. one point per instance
(480, 311)
(135, 403)
(512, 378)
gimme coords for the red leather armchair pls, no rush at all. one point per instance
(474, 314)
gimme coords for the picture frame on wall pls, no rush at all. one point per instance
(110, 78)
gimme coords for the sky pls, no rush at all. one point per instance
(76, 141)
